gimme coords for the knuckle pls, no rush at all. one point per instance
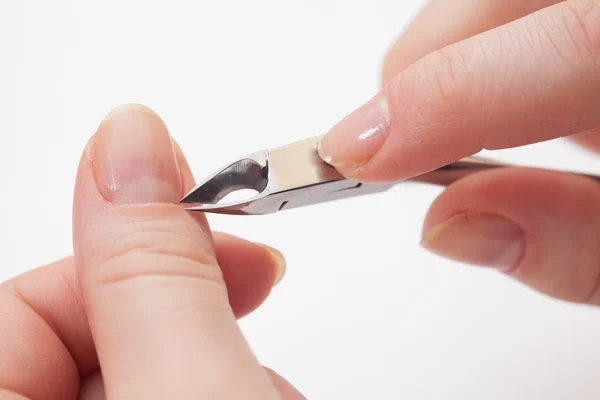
(581, 20)
(445, 74)
(154, 248)
(456, 80)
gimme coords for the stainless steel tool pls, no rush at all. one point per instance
(294, 176)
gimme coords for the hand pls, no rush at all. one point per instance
(150, 298)
(472, 75)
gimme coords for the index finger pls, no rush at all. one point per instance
(443, 22)
(531, 80)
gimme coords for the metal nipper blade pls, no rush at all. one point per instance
(295, 176)
(285, 177)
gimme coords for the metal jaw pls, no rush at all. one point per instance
(295, 176)
(285, 177)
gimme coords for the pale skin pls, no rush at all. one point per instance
(151, 295)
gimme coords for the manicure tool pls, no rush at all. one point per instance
(295, 176)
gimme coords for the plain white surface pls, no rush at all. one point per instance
(363, 312)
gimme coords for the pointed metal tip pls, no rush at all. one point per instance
(190, 197)
(231, 209)
(245, 173)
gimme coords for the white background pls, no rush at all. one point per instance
(363, 312)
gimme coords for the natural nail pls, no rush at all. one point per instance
(280, 264)
(479, 239)
(134, 158)
(355, 139)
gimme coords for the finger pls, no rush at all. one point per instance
(93, 388)
(46, 304)
(44, 341)
(442, 22)
(541, 227)
(249, 270)
(43, 323)
(531, 80)
(153, 291)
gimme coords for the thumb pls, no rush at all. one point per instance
(154, 295)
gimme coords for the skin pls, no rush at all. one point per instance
(136, 301)
(561, 252)
(141, 312)
(467, 75)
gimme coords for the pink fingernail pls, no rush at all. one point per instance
(357, 137)
(479, 239)
(280, 263)
(134, 158)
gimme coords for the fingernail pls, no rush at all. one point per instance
(280, 263)
(479, 239)
(134, 158)
(355, 139)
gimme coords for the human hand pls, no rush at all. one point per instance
(492, 74)
(147, 307)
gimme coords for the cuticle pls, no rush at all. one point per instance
(174, 146)
(90, 151)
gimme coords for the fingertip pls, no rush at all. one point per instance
(355, 140)
(250, 271)
(539, 226)
(278, 262)
(134, 158)
(126, 108)
(478, 239)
